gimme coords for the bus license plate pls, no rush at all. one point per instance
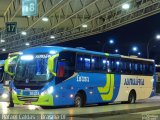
(34, 93)
(31, 93)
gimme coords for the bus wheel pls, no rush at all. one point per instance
(132, 97)
(79, 100)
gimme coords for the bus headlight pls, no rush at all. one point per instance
(48, 91)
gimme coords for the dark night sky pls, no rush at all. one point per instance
(137, 33)
(134, 34)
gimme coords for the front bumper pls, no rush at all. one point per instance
(41, 100)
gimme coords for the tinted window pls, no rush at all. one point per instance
(87, 62)
(95, 63)
(79, 62)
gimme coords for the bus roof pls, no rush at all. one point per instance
(136, 58)
(47, 49)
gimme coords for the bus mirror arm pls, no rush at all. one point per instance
(51, 64)
(6, 68)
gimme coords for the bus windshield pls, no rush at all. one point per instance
(32, 70)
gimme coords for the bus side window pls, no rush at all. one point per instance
(108, 65)
(61, 69)
(103, 64)
(117, 64)
(128, 69)
(147, 69)
(95, 63)
(151, 70)
(141, 68)
(123, 67)
(80, 62)
(132, 65)
(65, 66)
(87, 62)
(135, 68)
(144, 69)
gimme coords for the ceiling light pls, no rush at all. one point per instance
(125, 6)
(27, 44)
(84, 25)
(134, 48)
(139, 53)
(45, 19)
(116, 50)
(52, 36)
(3, 49)
(2, 40)
(111, 41)
(23, 33)
(157, 36)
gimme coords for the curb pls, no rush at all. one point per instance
(118, 112)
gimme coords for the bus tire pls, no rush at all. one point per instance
(79, 100)
(132, 97)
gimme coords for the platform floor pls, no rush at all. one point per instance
(117, 108)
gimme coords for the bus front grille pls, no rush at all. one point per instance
(30, 99)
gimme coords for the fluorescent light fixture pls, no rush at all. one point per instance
(3, 49)
(27, 57)
(45, 19)
(84, 25)
(23, 33)
(52, 52)
(27, 44)
(52, 36)
(126, 6)
(2, 40)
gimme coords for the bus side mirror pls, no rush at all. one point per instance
(8, 67)
(51, 64)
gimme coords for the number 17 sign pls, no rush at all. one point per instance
(29, 8)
